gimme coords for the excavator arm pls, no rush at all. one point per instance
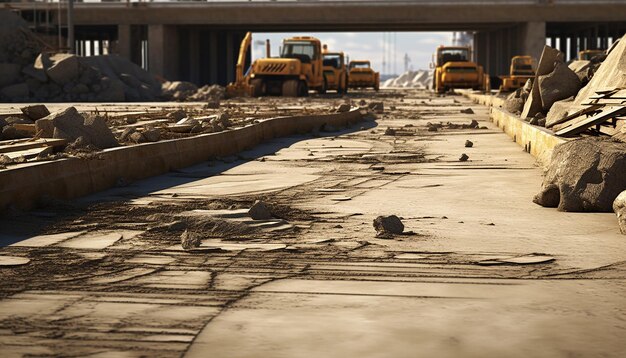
(241, 87)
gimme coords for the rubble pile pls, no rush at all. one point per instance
(410, 79)
(30, 74)
(187, 91)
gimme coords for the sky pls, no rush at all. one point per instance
(419, 46)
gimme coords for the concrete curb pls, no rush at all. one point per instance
(537, 141)
(24, 185)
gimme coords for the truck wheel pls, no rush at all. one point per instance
(290, 88)
(303, 89)
(257, 87)
(323, 89)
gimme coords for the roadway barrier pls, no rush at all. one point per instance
(538, 141)
(24, 185)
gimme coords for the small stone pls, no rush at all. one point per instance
(177, 115)
(259, 211)
(390, 131)
(137, 137)
(344, 107)
(464, 157)
(125, 136)
(388, 225)
(189, 240)
(35, 112)
(152, 135)
(474, 124)
(469, 144)
(619, 207)
(467, 111)
(377, 107)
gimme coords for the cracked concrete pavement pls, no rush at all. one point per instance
(107, 275)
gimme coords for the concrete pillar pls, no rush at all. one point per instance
(213, 57)
(124, 41)
(163, 51)
(194, 56)
(533, 38)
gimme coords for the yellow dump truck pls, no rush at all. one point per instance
(297, 70)
(335, 71)
(362, 75)
(454, 69)
(522, 69)
(587, 55)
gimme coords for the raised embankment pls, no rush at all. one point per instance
(23, 185)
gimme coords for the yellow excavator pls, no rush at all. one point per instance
(241, 87)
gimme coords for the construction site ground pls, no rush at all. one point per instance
(480, 271)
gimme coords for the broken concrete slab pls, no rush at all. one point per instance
(36, 111)
(560, 84)
(584, 175)
(71, 125)
(549, 57)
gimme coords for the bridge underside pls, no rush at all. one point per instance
(199, 42)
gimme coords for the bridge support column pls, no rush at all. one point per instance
(533, 39)
(163, 54)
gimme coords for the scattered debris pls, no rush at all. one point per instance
(344, 107)
(469, 144)
(467, 111)
(464, 157)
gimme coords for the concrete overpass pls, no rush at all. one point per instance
(198, 41)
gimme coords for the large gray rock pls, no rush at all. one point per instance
(584, 175)
(619, 207)
(70, 125)
(15, 92)
(549, 57)
(9, 73)
(515, 101)
(36, 111)
(63, 68)
(560, 84)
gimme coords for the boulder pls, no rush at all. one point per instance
(70, 125)
(584, 175)
(534, 104)
(259, 211)
(64, 68)
(9, 74)
(560, 84)
(36, 111)
(386, 225)
(189, 240)
(619, 207)
(15, 92)
(514, 102)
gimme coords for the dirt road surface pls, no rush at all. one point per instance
(480, 271)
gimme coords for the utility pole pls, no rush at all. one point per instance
(70, 27)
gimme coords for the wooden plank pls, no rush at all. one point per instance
(576, 114)
(581, 126)
(605, 102)
(6, 147)
(29, 128)
(607, 90)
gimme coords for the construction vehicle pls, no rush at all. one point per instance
(522, 69)
(587, 55)
(454, 69)
(362, 75)
(335, 71)
(298, 70)
(241, 86)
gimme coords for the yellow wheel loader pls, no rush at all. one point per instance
(298, 70)
(522, 69)
(454, 69)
